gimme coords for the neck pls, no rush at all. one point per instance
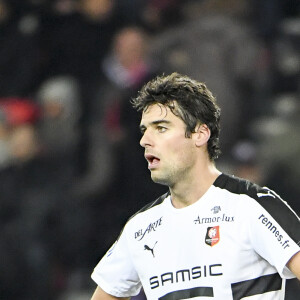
(187, 192)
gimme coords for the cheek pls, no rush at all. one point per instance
(181, 152)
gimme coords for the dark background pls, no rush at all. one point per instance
(71, 168)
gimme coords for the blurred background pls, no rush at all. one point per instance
(71, 168)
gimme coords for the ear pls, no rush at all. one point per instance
(201, 135)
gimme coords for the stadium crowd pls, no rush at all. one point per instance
(71, 168)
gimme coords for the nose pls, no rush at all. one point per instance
(146, 139)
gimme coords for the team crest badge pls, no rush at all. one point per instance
(212, 236)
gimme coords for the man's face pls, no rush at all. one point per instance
(169, 153)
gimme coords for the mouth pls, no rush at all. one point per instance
(153, 161)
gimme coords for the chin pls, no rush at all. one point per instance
(160, 180)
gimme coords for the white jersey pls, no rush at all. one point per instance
(233, 243)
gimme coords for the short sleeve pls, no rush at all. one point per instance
(273, 229)
(115, 273)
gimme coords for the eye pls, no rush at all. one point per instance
(161, 129)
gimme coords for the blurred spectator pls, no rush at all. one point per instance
(76, 35)
(59, 132)
(117, 167)
(152, 15)
(19, 51)
(23, 205)
(268, 14)
(287, 57)
(14, 112)
(125, 70)
(4, 147)
(245, 163)
(279, 147)
(59, 98)
(210, 47)
(17, 110)
(37, 223)
(161, 14)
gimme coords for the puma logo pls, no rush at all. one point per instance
(150, 249)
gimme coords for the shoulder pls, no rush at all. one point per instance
(146, 219)
(263, 196)
(148, 213)
(150, 207)
(259, 200)
(238, 186)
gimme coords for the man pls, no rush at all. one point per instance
(212, 235)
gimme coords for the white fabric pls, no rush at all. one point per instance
(166, 249)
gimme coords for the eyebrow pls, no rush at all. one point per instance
(143, 127)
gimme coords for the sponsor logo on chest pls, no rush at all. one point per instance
(215, 219)
(185, 275)
(140, 234)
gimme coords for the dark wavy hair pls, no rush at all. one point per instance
(188, 99)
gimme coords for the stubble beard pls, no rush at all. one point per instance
(160, 180)
(168, 178)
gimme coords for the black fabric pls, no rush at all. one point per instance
(271, 202)
(189, 293)
(256, 286)
(158, 201)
